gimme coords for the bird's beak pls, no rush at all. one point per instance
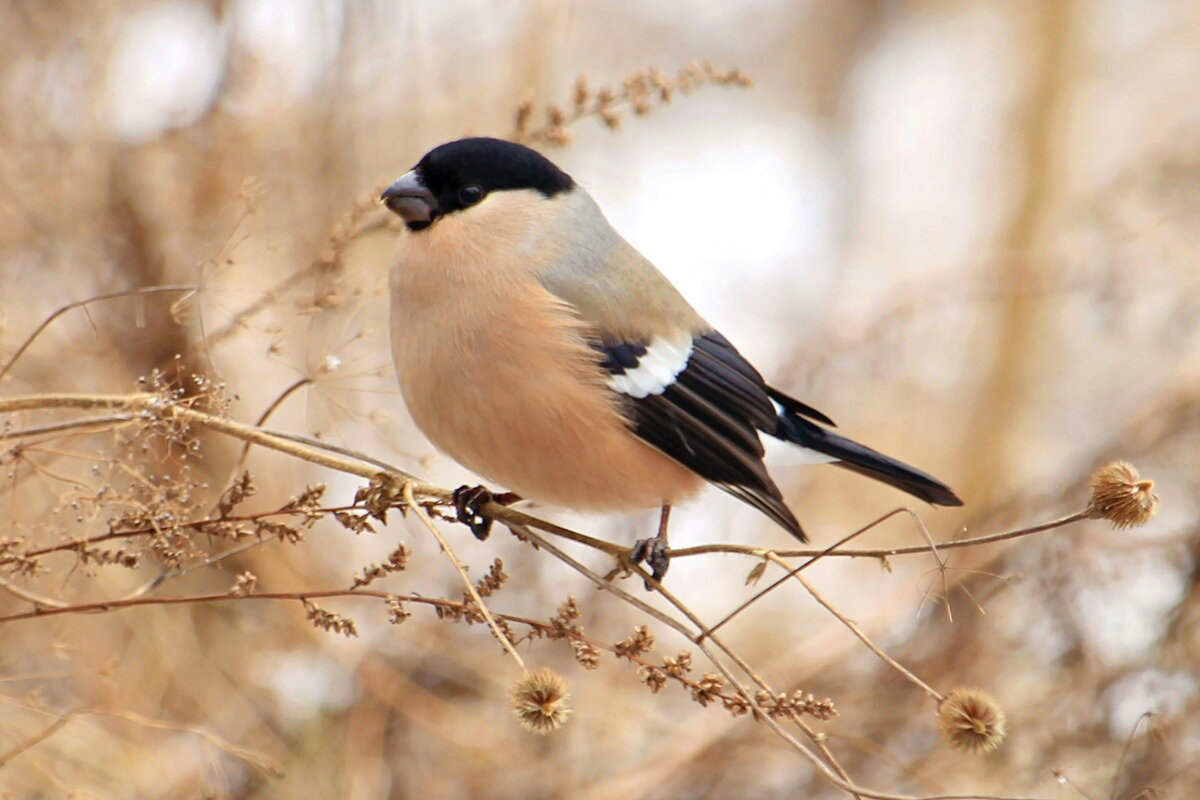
(408, 199)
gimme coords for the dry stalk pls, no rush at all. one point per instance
(416, 508)
(417, 495)
(640, 91)
(8, 365)
(858, 632)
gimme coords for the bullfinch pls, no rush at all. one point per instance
(540, 350)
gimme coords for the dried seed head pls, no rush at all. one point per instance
(557, 135)
(329, 621)
(653, 677)
(642, 641)
(971, 720)
(540, 701)
(1120, 496)
(524, 112)
(611, 119)
(580, 94)
(244, 585)
(491, 583)
(586, 654)
(397, 613)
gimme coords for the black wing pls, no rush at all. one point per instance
(708, 418)
(706, 412)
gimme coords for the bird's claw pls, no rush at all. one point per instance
(653, 551)
(467, 500)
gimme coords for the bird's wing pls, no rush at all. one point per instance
(684, 387)
(696, 399)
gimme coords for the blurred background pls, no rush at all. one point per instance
(965, 230)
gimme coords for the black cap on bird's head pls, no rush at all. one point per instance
(460, 174)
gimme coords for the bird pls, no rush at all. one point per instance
(539, 349)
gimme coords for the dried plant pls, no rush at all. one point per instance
(968, 719)
(157, 521)
(971, 720)
(397, 562)
(539, 699)
(1120, 496)
(638, 93)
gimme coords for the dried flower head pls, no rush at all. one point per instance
(244, 585)
(586, 654)
(640, 92)
(971, 720)
(642, 641)
(540, 701)
(524, 113)
(580, 94)
(653, 677)
(329, 621)
(1120, 496)
(397, 562)
(490, 584)
(396, 611)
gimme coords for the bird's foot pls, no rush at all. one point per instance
(468, 499)
(653, 551)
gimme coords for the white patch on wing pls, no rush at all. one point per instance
(788, 454)
(656, 370)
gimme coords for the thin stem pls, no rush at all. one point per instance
(104, 606)
(462, 572)
(857, 631)
(886, 552)
(1125, 752)
(262, 419)
(297, 446)
(8, 365)
(33, 597)
(67, 425)
(356, 464)
(40, 737)
(523, 525)
(767, 554)
(77, 544)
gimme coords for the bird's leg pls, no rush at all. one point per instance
(654, 551)
(468, 499)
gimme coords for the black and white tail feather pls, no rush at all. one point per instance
(697, 400)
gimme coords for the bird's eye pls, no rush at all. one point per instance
(470, 194)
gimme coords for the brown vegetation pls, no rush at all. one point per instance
(222, 574)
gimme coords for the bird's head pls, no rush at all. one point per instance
(460, 175)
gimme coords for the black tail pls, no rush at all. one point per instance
(863, 460)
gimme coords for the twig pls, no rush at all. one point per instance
(8, 365)
(766, 554)
(40, 737)
(834, 773)
(462, 572)
(77, 544)
(154, 405)
(104, 606)
(157, 407)
(257, 307)
(760, 552)
(262, 419)
(303, 448)
(1125, 752)
(258, 760)
(67, 425)
(33, 597)
(857, 631)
